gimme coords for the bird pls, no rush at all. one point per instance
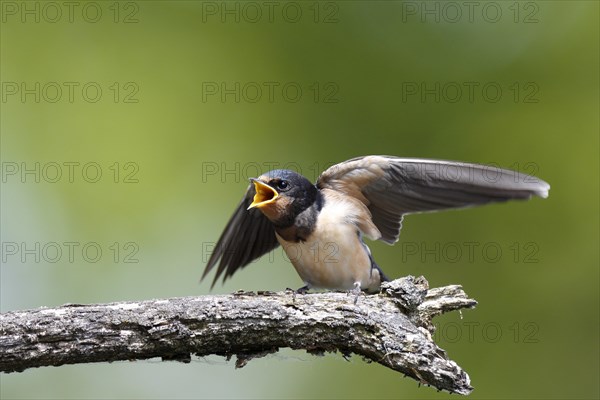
(322, 226)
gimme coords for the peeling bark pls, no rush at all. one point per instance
(392, 328)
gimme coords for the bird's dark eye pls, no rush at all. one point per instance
(282, 185)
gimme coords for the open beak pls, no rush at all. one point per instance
(265, 194)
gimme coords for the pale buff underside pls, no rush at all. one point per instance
(334, 257)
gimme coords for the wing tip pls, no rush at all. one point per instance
(204, 274)
(215, 279)
(542, 190)
(542, 193)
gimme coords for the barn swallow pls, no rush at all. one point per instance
(321, 226)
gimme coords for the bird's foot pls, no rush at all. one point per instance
(302, 290)
(356, 291)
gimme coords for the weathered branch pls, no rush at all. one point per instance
(393, 328)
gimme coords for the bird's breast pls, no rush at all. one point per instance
(333, 255)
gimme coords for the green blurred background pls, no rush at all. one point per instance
(175, 148)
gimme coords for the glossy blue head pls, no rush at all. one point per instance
(282, 194)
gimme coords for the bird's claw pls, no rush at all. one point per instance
(302, 290)
(356, 291)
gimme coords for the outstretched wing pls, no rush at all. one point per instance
(391, 187)
(247, 236)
